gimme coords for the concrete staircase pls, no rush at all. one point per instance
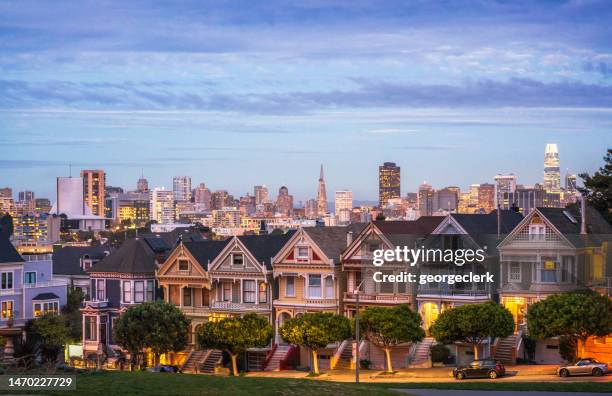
(344, 363)
(421, 355)
(506, 350)
(210, 362)
(194, 359)
(279, 354)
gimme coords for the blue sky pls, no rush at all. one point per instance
(237, 93)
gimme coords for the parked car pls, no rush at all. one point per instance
(485, 368)
(585, 366)
(164, 368)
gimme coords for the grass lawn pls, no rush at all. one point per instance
(145, 383)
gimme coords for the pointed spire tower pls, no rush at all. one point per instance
(321, 196)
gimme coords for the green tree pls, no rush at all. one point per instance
(598, 188)
(157, 325)
(472, 324)
(388, 327)
(53, 333)
(576, 314)
(315, 331)
(236, 335)
(72, 313)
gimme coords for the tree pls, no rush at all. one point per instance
(6, 225)
(156, 325)
(72, 313)
(236, 335)
(53, 332)
(598, 188)
(576, 314)
(473, 323)
(388, 327)
(315, 331)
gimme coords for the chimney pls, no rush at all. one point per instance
(583, 227)
(349, 238)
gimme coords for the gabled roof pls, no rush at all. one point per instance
(67, 260)
(45, 296)
(265, 247)
(164, 241)
(8, 253)
(133, 257)
(405, 233)
(597, 227)
(332, 240)
(478, 224)
(205, 251)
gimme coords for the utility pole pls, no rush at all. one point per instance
(357, 358)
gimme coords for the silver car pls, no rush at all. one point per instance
(586, 366)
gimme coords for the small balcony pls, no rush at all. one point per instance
(377, 298)
(448, 291)
(52, 283)
(240, 307)
(96, 303)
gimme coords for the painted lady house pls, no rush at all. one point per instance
(476, 232)
(118, 281)
(359, 270)
(553, 251)
(309, 276)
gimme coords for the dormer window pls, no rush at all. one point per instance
(237, 259)
(183, 265)
(302, 253)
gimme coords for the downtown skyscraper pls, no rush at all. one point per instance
(94, 189)
(388, 183)
(552, 174)
(321, 196)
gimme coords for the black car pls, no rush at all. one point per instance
(486, 368)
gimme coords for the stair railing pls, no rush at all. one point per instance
(269, 356)
(336, 357)
(292, 354)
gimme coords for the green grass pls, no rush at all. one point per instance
(145, 383)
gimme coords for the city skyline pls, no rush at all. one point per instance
(213, 89)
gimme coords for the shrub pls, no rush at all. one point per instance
(439, 353)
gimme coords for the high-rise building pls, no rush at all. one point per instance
(344, 205)
(474, 195)
(445, 200)
(247, 205)
(6, 192)
(388, 183)
(142, 185)
(261, 195)
(504, 184)
(552, 174)
(425, 199)
(26, 196)
(94, 184)
(284, 202)
(162, 206)
(524, 199)
(486, 197)
(570, 183)
(70, 202)
(202, 197)
(181, 188)
(310, 209)
(42, 205)
(321, 196)
(220, 199)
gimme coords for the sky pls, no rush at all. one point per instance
(239, 93)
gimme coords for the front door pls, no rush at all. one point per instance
(429, 313)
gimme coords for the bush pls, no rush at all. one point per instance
(439, 353)
(530, 347)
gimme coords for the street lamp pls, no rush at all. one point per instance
(357, 360)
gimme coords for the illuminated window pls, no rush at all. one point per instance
(7, 310)
(548, 271)
(46, 307)
(263, 293)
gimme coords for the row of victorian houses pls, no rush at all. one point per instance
(322, 268)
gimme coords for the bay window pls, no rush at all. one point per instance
(290, 286)
(139, 291)
(127, 292)
(101, 289)
(91, 328)
(248, 292)
(150, 290)
(263, 292)
(329, 287)
(7, 280)
(514, 269)
(7, 310)
(314, 286)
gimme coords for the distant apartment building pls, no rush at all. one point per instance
(202, 198)
(570, 183)
(261, 195)
(445, 201)
(42, 205)
(31, 227)
(344, 206)
(181, 188)
(130, 208)
(284, 202)
(388, 183)
(162, 206)
(94, 184)
(220, 199)
(142, 185)
(486, 197)
(226, 218)
(503, 184)
(425, 198)
(524, 199)
(26, 196)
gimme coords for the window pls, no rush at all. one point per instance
(329, 287)
(91, 327)
(7, 280)
(567, 269)
(248, 294)
(237, 259)
(548, 272)
(263, 293)
(127, 291)
(46, 307)
(227, 291)
(537, 232)
(314, 286)
(139, 291)
(183, 265)
(386, 287)
(302, 252)
(29, 278)
(150, 290)
(187, 296)
(7, 310)
(290, 286)
(515, 272)
(101, 289)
